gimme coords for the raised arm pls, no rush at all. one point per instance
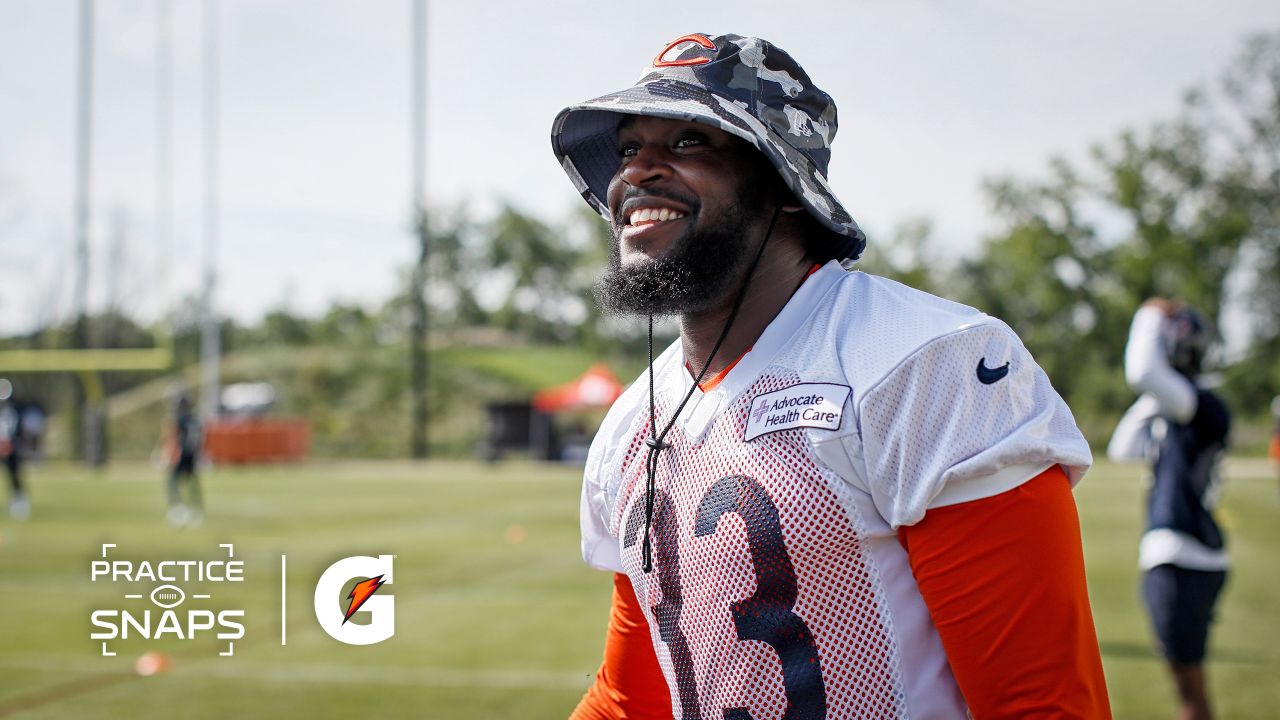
(1146, 364)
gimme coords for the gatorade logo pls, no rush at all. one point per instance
(333, 610)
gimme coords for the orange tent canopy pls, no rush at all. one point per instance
(598, 387)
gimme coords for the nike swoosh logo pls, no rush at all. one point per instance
(987, 375)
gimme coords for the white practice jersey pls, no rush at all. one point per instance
(778, 583)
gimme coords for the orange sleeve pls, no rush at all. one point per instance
(1003, 578)
(629, 685)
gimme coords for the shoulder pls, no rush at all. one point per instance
(875, 306)
(951, 407)
(878, 324)
(887, 294)
(1212, 414)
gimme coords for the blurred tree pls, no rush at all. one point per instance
(909, 257)
(1250, 125)
(345, 324)
(282, 327)
(546, 295)
(599, 332)
(456, 270)
(1182, 210)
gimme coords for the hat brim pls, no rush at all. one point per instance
(584, 138)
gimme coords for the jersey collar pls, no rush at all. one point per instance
(793, 316)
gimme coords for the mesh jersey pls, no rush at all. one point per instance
(779, 588)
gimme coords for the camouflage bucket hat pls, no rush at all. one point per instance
(742, 85)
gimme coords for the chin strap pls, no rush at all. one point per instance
(656, 440)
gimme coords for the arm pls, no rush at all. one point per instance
(629, 684)
(1131, 441)
(1003, 578)
(1146, 365)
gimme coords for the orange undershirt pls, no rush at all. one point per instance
(630, 683)
(1003, 578)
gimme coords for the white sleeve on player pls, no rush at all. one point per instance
(1132, 440)
(600, 478)
(968, 415)
(1147, 369)
(599, 548)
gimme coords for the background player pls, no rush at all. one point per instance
(833, 496)
(1182, 430)
(1274, 449)
(11, 449)
(186, 439)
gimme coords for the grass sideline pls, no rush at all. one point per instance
(496, 616)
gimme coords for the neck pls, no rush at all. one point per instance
(782, 268)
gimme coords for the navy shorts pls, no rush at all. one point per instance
(1180, 603)
(186, 464)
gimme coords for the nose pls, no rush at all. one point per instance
(647, 166)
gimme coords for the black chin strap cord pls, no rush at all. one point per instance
(656, 439)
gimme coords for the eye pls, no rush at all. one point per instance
(689, 140)
(627, 150)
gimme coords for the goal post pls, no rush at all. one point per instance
(86, 360)
(88, 365)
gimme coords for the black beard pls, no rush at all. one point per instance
(696, 272)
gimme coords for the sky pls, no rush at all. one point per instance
(934, 97)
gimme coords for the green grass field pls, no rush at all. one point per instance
(496, 616)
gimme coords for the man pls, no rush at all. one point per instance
(1182, 429)
(833, 496)
(11, 449)
(1274, 448)
(187, 438)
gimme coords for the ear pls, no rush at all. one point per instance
(789, 203)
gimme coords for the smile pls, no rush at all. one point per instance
(651, 216)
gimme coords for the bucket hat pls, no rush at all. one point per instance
(742, 85)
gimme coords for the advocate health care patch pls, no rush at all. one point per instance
(813, 405)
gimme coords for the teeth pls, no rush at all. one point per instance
(644, 215)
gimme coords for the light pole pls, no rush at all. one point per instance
(418, 283)
(210, 340)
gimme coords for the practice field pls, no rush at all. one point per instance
(496, 617)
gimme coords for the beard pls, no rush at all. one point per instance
(692, 275)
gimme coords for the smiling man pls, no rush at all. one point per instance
(679, 241)
(833, 496)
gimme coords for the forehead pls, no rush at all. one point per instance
(647, 124)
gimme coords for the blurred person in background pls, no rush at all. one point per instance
(33, 421)
(1274, 450)
(1181, 428)
(11, 449)
(833, 495)
(186, 437)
